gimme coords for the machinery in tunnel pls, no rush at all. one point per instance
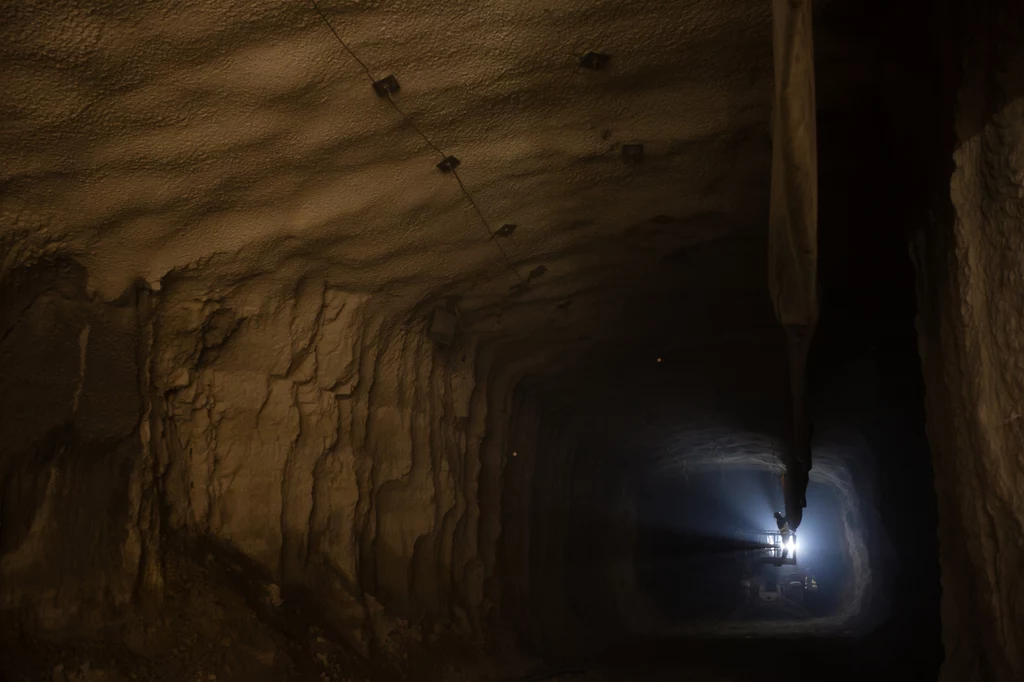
(704, 557)
(778, 548)
(771, 583)
(765, 594)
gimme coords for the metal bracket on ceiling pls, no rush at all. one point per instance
(505, 230)
(386, 86)
(450, 163)
(538, 271)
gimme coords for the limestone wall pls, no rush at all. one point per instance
(971, 269)
(318, 432)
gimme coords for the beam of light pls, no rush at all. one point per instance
(716, 502)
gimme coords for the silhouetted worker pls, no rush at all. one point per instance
(785, 531)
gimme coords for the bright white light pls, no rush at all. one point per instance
(791, 547)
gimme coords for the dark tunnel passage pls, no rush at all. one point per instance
(274, 407)
(687, 437)
(688, 423)
(688, 562)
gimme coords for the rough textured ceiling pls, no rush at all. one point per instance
(149, 139)
(221, 141)
(210, 143)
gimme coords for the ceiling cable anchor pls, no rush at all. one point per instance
(505, 230)
(449, 164)
(386, 86)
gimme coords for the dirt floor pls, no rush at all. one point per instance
(197, 659)
(219, 622)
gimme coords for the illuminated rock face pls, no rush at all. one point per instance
(257, 241)
(326, 443)
(220, 252)
(344, 454)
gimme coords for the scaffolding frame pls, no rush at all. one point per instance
(778, 549)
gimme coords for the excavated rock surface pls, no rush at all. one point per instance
(147, 139)
(350, 467)
(971, 265)
(219, 252)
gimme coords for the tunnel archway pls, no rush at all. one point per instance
(274, 406)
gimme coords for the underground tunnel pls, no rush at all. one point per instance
(483, 341)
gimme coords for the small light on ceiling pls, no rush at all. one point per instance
(659, 359)
(514, 453)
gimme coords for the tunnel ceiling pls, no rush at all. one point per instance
(241, 138)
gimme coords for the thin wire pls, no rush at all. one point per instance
(408, 120)
(469, 197)
(415, 127)
(343, 43)
(487, 226)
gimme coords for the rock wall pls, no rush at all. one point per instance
(70, 470)
(970, 262)
(319, 433)
(331, 440)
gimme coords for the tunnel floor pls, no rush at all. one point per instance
(220, 618)
(748, 660)
(316, 657)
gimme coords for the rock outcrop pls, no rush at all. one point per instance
(971, 264)
(321, 434)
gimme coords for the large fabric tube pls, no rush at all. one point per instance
(793, 222)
